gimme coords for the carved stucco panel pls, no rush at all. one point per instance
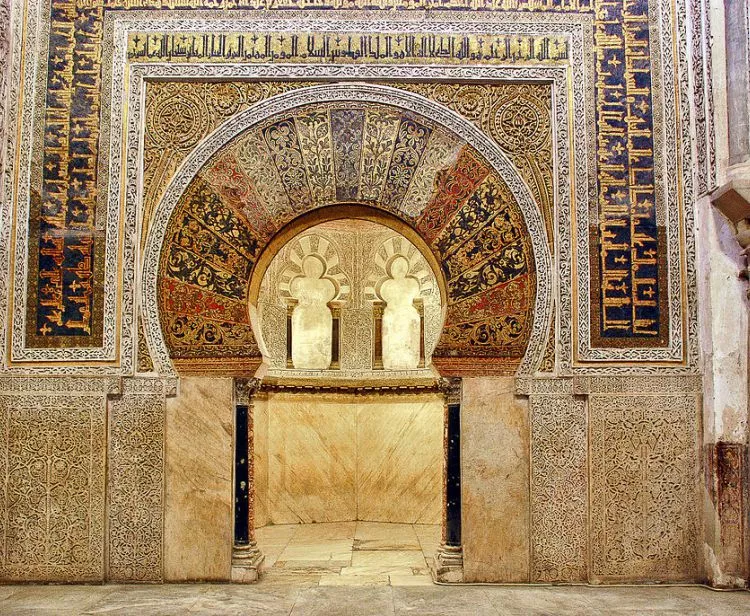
(559, 490)
(644, 487)
(52, 496)
(136, 485)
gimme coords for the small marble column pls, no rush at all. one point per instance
(291, 304)
(335, 307)
(449, 560)
(377, 335)
(419, 305)
(246, 556)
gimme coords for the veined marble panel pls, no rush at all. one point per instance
(198, 521)
(311, 458)
(336, 457)
(494, 481)
(400, 459)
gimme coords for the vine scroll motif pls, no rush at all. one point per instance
(53, 494)
(644, 487)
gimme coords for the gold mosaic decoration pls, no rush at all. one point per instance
(516, 116)
(341, 153)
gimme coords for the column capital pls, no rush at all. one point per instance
(451, 389)
(245, 389)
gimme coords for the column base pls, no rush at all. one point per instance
(449, 564)
(246, 563)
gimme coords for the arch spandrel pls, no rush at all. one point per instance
(376, 147)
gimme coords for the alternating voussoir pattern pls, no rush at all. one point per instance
(348, 153)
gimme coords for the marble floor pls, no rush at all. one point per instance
(351, 553)
(292, 595)
(360, 569)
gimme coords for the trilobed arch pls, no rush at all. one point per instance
(381, 159)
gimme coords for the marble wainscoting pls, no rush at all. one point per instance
(198, 518)
(339, 457)
(311, 458)
(400, 459)
(494, 481)
(259, 418)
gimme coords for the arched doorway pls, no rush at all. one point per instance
(298, 152)
(348, 455)
(303, 157)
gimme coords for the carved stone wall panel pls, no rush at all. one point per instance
(644, 470)
(136, 483)
(638, 384)
(727, 480)
(52, 493)
(516, 214)
(357, 255)
(5, 49)
(559, 488)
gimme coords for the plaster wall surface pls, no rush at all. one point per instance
(724, 327)
(724, 347)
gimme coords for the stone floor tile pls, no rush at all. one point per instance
(247, 599)
(375, 570)
(67, 599)
(7, 591)
(540, 600)
(385, 536)
(319, 567)
(325, 531)
(276, 534)
(336, 579)
(717, 603)
(299, 593)
(146, 600)
(429, 537)
(441, 601)
(410, 580)
(290, 578)
(398, 559)
(344, 601)
(318, 547)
